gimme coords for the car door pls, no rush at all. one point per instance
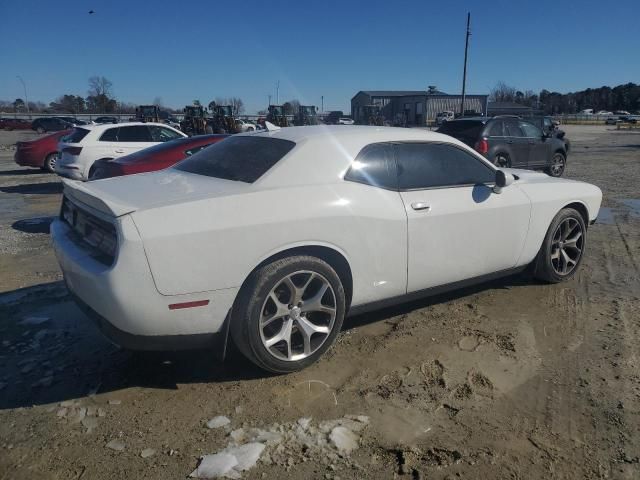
(131, 139)
(539, 146)
(518, 143)
(458, 228)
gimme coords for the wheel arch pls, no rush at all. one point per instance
(582, 209)
(335, 258)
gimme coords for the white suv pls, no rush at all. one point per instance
(88, 143)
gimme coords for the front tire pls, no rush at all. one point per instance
(563, 247)
(502, 160)
(288, 313)
(558, 164)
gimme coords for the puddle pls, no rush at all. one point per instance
(605, 216)
(633, 204)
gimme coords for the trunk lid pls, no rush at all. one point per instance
(122, 195)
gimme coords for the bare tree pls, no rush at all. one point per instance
(100, 86)
(502, 93)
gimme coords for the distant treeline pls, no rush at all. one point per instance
(623, 97)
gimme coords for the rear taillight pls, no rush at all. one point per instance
(482, 146)
(72, 150)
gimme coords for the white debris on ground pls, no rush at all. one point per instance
(147, 452)
(217, 422)
(329, 442)
(117, 445)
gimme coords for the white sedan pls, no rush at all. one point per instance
(276, 236)
(84, 145)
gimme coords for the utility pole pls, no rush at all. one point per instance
(278, 92)
(464, 72)
(26, 99)
(322, 104)
(269, 98)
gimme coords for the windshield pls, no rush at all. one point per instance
(241, 159)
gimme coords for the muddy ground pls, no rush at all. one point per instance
(513, 379)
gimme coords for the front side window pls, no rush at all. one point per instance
(161, 134)
(375, 165)
(241, 159)
(530, 130)
(137, 133)
(433, 165)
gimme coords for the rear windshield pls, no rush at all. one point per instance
(76, 135)
(468, 129)
(242, 159)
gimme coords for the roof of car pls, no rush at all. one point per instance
(106, 126)
(369, 133)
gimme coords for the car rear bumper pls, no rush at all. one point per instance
(25, 159)
(69, 171)
(123, 301)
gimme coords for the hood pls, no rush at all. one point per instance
(122, 195)
(529, 176)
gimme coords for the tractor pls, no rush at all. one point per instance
(194, 121)
(277, 116)
(372, 115)
(307, 115)
(222, 119)
(148, 113)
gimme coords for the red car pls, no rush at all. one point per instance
(154, 158)
(41, 153)
(15, 124)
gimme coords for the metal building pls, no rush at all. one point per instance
(413, 107)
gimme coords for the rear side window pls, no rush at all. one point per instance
(512, 129)
(137, 133)
(375, 165)
(76, 135)
(110, 135)
(241, 159)
(432, 165)
(495, 130)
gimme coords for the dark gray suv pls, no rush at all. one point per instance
(510, 142)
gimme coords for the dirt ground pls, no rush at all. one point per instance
(513, 379)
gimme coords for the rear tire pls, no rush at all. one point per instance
(502, 160)
(50, 162)
(563, 247)
(288, 313)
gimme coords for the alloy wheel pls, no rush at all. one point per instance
(502, 161)
(557, 165)
(297, 316)
(53, 159)
(567, 246)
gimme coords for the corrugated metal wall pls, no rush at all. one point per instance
(437, 104)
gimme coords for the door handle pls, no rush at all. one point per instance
(420, 206)
(119, 151)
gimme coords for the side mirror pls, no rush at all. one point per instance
(502, 180)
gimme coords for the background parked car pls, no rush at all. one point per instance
(611, 121)
(154, 158)
(41, 153)
(346, 121)
(72, 120)
(103, 120)
(550, 127)
(445, 116)
(89, 143)
(245, 126)
(510, 142)
(15, 124)
(50, 124)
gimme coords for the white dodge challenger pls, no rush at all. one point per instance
(274, 237)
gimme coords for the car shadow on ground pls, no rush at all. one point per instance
(43, 188)
(22, 171)
(51, 352)
(33, 225)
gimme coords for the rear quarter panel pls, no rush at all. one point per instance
(215, 243)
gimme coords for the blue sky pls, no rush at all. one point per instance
(186, 50)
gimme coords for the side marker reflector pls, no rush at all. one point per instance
(197, 303)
